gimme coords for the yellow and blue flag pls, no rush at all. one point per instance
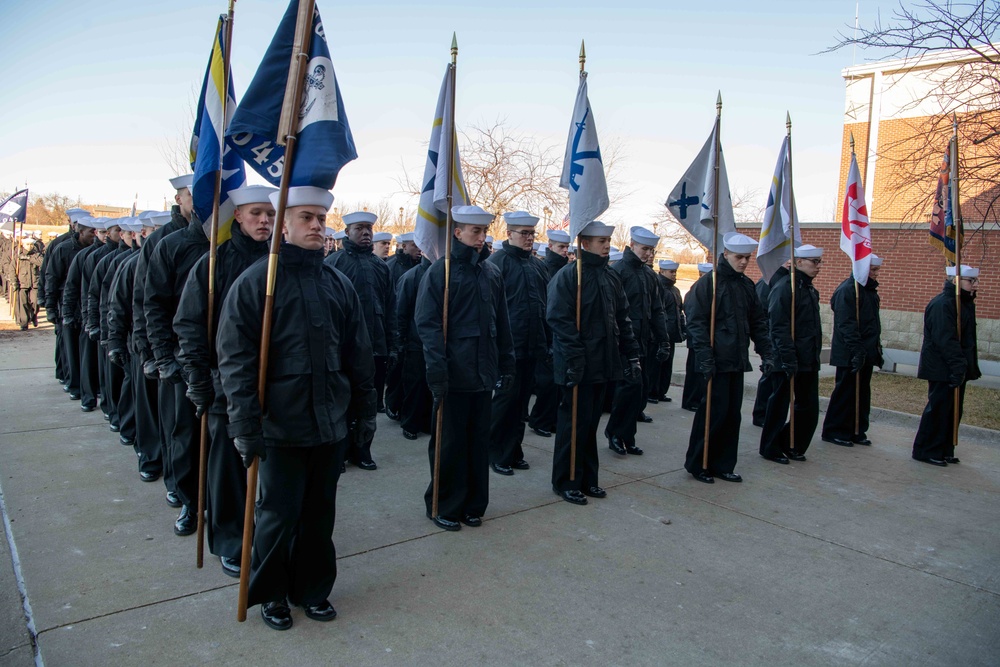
(207, 141)
(780, 228)
(325, 143)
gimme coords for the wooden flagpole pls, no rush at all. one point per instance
(579, 308)
(791, 383)
(287, 128)
(213, 240)
(956, 216)
(715, 273)
(449, 224)
(857, 318)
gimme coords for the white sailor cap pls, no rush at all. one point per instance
(489, 241)
(134, 225)
(405, 238)
(252, 194)
(339, 236)
(705, 267)
(557, 236)
(597, 228)
(542, 250)
(615, 249)
(181, 182)
(967, 271)
(535, 246)
(643, 236)
(75, 214)
(615, 256)
(471, 215)
(305, 195)
(87, 221)
(360, 216)
(330, 232)
(668, 265)
(876, 260)
(158, 219)
(114, 222)
(381, 236)
(572, 248)
(520, 219)
(808, 252)
(739, 243)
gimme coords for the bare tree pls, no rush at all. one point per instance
(748, 204)
(968, 83)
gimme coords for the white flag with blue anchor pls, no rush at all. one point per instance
(781, 219)
(692, 199)
(431, 228)
(206, 142)
(583, 168)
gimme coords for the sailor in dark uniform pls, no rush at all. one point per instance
(694, 382)
(58, 271)
(406, 257)
(542, 419)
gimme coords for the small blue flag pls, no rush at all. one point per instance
(13, 209)
(324, 143)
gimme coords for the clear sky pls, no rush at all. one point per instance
(95, 93)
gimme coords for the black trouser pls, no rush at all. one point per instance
(27, 308)
(149, 442)
(89, 379)
(111, 389)
(104, 397)
(184, 443)
(226, 489)
(545, 410)
(506, 427)
(394, 387)
(626, 405)
(774, 439)
(62, 372)
(934, 439)
(650, 375)
(416, 404)
(839, 420)
(293, 553)
(764, 388)
(71, 358)
(125, 407)
(694, 384)
(666, 373)
(464, 486)
(590, 398)
(380, 372)
(724, 427)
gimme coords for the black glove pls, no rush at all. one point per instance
(438, 390)
(547, 360)
(633, 374)
(505, 383)
(201, 392)
(117, 357)
(663, 352)
(790, 369)
(955, 381)
(392, 361)
(706, 366)
(250, 446)
(149, 369)
(364, 430)
(170, 371)
(51, 315)
(94, 334)
(574, 374)
(857, 361)
(766, 367)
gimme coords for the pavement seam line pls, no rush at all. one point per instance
(22, 589)
(52, 428)
(827, 541)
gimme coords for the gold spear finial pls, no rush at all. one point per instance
(583, 56)
(788, 123)
(454, 48)
(852, 143)
(718, 104)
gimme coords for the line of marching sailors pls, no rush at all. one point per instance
(130, 301)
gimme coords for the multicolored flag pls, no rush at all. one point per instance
(781, 218)
(856, 234)
(583, 169)
(207, 141)
(431, 227)
(325, 143)
(13, 210)
(943, 230)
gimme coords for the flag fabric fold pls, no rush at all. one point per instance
(942, 228)
(13, 210)
(583, 168)
(781, 218)
(855, 235)
(208, 141)
(431, 227)
(325, 143)
(692, 199)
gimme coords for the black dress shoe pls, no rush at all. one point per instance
(758, 423)
(74, 396)
(666, 399)
(595, 492)
(381, 409)
(542, 432)
(729, 477)
(106, 416)
(323, 612)
(230, 567)
(652, 400)
(367, 465)
(501, 469)
(65, 387)
(343, 468)
(173, 500)
(572, 496)
(643, 418)
(472, 521)
(692, 408)
(114, 428)
(616, 445)
(703, 477)
(777, 459)
(394, 416)
(934, 462)
(862, 440)
(86, 408)
(276, 615)
(951, 459)
(837, 441)
(634, 450)
(187, 522)
(149, 476)
(446, 523)
(125, 441)
(521, 464)
(794, 456)
(409, 435)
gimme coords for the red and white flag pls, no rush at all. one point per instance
(856, 235)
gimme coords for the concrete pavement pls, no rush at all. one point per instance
(858, 556)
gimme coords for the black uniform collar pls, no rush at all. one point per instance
(726, 270)
(465, 253)
(405, 259)
(515, 251)
(803, 278)
(293, 256)
(967, 297)
(242, 242)
(176, 217)
(778, 275)
(555, 259)
(591, 259)
(353, 248)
